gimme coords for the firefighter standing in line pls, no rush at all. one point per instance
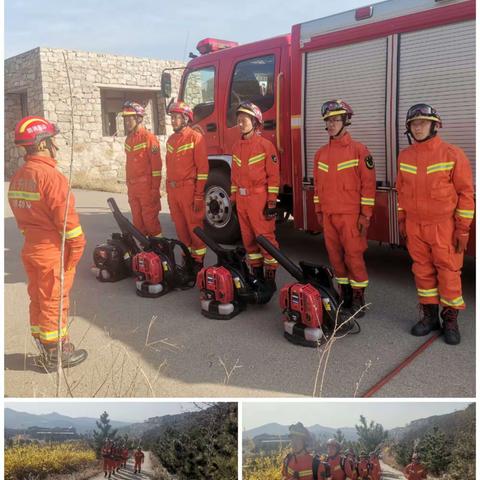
(106, 453)
(143, 171)
(298, 463)
(415, 470)
(255, 184)
(351, 458)
(139, 459)
(364, 467)
(38, 198)
(340, 469)
(344, 197)
(376, 469)
(125, 456)
(187, 173)
(436, 207)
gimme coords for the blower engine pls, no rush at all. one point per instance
(311, 305)
(151, 260)
(227, 287)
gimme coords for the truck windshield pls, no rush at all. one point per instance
(199, 92)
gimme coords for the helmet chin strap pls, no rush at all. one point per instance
(432, 134)
(344, 121)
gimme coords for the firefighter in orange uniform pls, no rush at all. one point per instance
(107, 453)
(38, 198)
(436, 207)
(415, 470)
(351, 458)
(376, 469)
(340, 469)
(298, 463)
(144, 171)
(125, 456)
(344, 197)
(255, 184)
(139, 459)
(187, 173)
(364, 467)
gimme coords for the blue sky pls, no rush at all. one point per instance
(122, 411)
(158, 29)
(343, 414)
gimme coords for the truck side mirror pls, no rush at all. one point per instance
(166, 83)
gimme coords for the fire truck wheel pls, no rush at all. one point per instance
(221, 220)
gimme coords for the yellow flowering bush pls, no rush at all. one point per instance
(261, 467)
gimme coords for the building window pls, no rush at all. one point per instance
(253, 81)
(199, 92)
(112, 104)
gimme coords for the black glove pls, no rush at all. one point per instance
(270, 210)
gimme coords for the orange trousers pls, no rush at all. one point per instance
(42, 265)
(252, 224)
(436, 266)
(145, 208)
(345, 247)
(138, 465)
(180, 202)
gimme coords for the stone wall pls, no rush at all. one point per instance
(99, 159)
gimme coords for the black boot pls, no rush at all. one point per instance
(70, 356)
(105, 474)
(258, 273)
(346, 296)
(270, 274)
(358, 301)
(451, 332)
(428, 320)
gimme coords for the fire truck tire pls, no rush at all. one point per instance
(221, 222)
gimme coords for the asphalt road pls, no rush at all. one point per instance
(127, 473)
(165, 347)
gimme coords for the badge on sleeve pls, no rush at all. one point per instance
(369, 163)
(155, 149)
(274, 158)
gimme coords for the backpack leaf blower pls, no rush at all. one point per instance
(228, 286)
(154, 262)
(310, 305)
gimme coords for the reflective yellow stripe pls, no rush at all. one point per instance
(347, 164)
(35, 329)
(128, 148)
(440, 167)
(139, 146)
(156, 173)
(353, 283)
(367, 201)
(237, 160)
(464, 213)
(269, 261)
(74, 232)
(456, 302)
(233, 189)
(19, 195)
(202, 176)
(406, 167)
(305, 473)
(170, 149)
(158, 235)
(316, 199)
(200, 251)
(187, 146)
(256, 159)
(254, 256)
(323, 166)
(433, 292)
(273, 189)
(28, 122)
(53, 335)
(342, 280)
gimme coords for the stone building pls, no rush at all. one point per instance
(38, 82)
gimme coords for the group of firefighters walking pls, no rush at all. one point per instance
(300, 463)
(115, 456)
(435, 205)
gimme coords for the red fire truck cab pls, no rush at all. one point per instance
(381, 59)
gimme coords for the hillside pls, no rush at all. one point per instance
(320, 432)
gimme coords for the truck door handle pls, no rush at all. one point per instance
(269, 124)
(211, 127)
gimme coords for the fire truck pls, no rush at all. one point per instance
(381, 59)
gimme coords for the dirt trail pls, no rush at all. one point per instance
(127, 473)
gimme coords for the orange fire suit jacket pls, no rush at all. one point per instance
(297, 466)
(38, 195)
(364, 468)
(255, 166)
(144, 161)
(415, 471)
(187, 159)
(340, 468)
(139, 456)
(344, 178)
(435, 183)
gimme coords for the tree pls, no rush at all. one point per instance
(370, 436)
(434, 451)
(104, 431)
(339, 437)
(462, 466)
